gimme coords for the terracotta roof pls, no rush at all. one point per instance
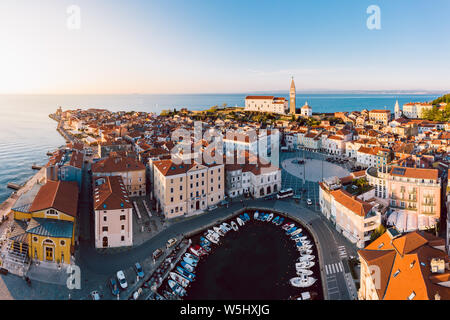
(116, 163)
(260, 97)
(111, 194)
(355, 205)
(416, 173)
(168, 168)
(59, 195)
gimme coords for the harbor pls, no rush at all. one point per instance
(293, 272)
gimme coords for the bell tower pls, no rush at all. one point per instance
(292, 97)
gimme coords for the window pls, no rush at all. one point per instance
(105, 229)
(104, 218)
(122, 217)
(412, 295)
(122, 227)
(396, 273)
(63, 243)
(122, 238)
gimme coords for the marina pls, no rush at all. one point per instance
(207, 262)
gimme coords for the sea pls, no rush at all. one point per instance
(27, 133)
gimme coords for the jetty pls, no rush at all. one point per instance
(14, 186)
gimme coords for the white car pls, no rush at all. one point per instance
(122, 280)
(95, 295)
(309, 202)
(214, 207)
(171, 243)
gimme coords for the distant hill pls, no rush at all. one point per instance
(444, 98)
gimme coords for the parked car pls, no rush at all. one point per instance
(113, 286)
(214, 207)
(309, 202)
(95, 295)
(157, 253)
(138, 269)
(270, 197)
(224, 203)
(171, 243)
(122, 280)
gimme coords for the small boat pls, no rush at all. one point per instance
(288, 226)
(296, 232)
(304, 264)
(186, 273)
(305, 272)
(184, 282)
(298, 240)
(204, 241)
(263, 216)
(297, 236)
(197, 250)
(255, 216)
(247, 218)
(187, 266)
(302, 281)
(223, 228)
(276, 219)
(270, 217)
(219, 231)
(305, 252)
(227, 226)
(189, 261)
(307, 257)
(193, 257)
(304, 238)
(211, 238)
(288, 232)
(240, 222)
(176, 288)
(279, 222)
(304, 247)
(234, 226)
(206, 248)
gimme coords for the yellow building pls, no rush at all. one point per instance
(45, 229)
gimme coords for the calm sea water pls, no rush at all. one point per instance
(26, 132)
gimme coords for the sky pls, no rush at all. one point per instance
(228, 46)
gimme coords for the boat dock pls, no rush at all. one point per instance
(14, 186)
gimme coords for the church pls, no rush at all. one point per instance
(278, 105)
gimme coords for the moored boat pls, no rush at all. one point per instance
(184, 282)
(296, 232)
(176, 288)
(255, 216)
(218, 231)
(279, 222)
(187, 266)
(307, 257)
(234, 226)
(212, 238)
(302, 281)
(190, 261)
(274, 221)
(305, 272)
(240, 222)
(247, 218)
(288, 232)
(270, 217)
(186, 273)
(304, 264)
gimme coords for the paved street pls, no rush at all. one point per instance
(97, 267)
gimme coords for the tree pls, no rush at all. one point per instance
(377, 232)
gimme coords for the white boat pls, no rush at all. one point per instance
(287, 226)
(176, 288)
(226, 226)
(211, 238)
(302, 281)
(255, 216)
(179, 279)
(304, 247)
(296, 232)
(303, 238)
(298, 240)
(306, 242)
(234, 226)
(305, 272)
(305, 252)
(240, 222)
(218, 231)
(270, 217)
(306, 258)
(304, 265)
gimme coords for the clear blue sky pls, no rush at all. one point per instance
(216, 46)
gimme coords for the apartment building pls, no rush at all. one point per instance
(354, 215)
(380, 117)
(185, 189)
(131, 171)
(413, 266)
(113, 213)
(414, 198)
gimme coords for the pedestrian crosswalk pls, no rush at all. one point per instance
(333, 268)
(342, 252)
